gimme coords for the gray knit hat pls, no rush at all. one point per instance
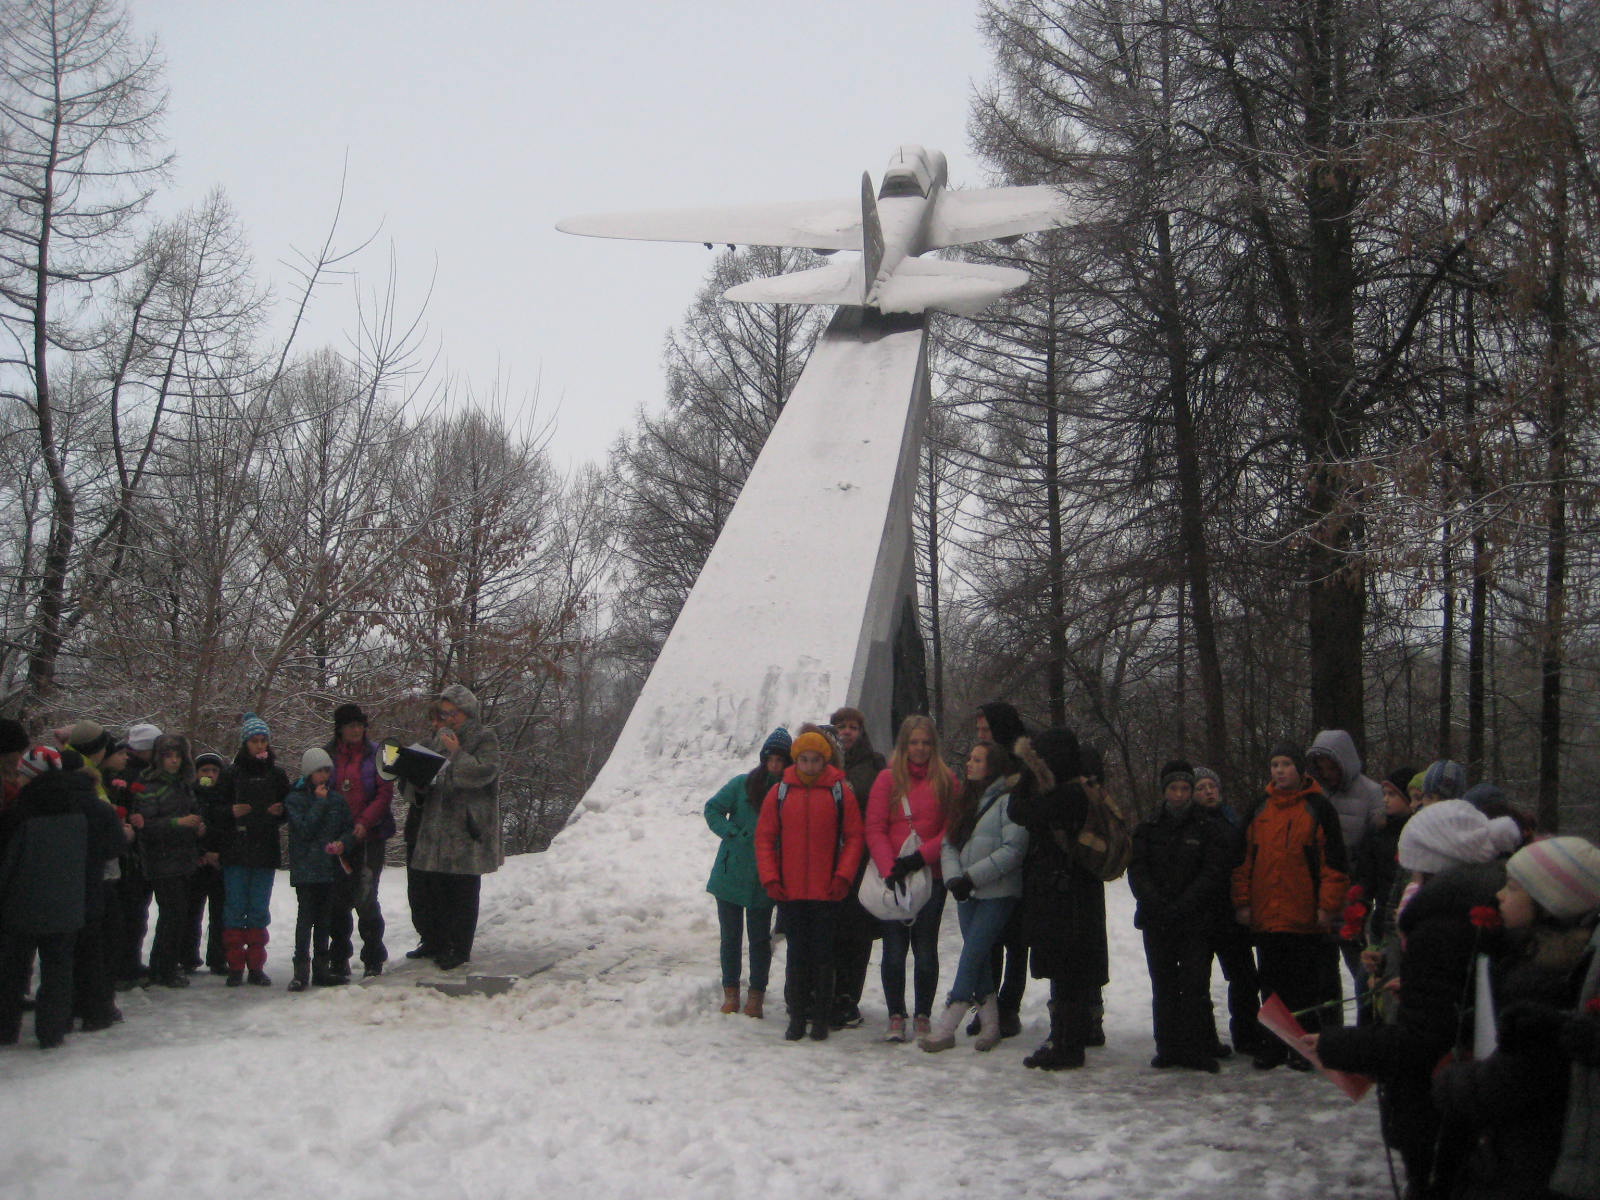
(314, 759)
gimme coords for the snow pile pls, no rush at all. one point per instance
(610, 1074)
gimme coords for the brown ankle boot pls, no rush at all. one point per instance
(752, 1004)
(730, 1000)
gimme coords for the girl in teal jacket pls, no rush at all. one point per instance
(742, 903)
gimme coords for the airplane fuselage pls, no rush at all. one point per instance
(912, 184)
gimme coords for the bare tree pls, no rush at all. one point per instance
(81, 103)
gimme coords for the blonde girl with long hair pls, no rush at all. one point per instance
(911, 793)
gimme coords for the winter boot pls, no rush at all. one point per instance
(302, 975)
(988, 1024)
(753, 1003)
(323, 974)
(338, 970)
(943, 1034)
(259, 977)
(255, 950)
(1094, 1032)
(1064, 1051)
(234, 948)
(796, 1028)
(235, 977)
(730, 1000)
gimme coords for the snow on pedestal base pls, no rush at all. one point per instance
(794, 611)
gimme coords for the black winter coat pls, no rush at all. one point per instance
(1515, 1100)
(250, 840)
(1181, 866)
(1374, 870)
(54, 845)
(1063, 910)
(862, 765)
(1435, 985)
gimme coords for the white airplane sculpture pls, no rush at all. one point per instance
(913, 212)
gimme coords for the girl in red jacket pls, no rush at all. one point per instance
(808, 844)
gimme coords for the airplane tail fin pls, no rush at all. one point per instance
(871, 237)
(919, 284)
(836, 283)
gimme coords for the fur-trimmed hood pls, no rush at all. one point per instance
(1044, 778)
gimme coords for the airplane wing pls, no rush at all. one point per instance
(836, 283)
(815, 225)
(919, 284)
(987, 213)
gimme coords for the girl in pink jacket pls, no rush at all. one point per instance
(910, 794)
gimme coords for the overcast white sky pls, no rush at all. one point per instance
(470, 129)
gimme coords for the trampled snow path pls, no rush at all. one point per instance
(610, 1074)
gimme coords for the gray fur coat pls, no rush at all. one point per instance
(459, 832)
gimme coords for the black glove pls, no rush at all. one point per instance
(1526, 1027)
(960, 887)
(906, 864)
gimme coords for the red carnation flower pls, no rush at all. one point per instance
(1355, 912)
(1485, 916)
(1356, 893)
(1351, 932)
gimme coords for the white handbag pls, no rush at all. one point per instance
(901, 901)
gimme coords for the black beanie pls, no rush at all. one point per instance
(1289, 750)
(348, 714)
(1176, 771)
(1005, 723)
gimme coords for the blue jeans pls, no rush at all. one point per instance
(247, 897)
(922, 939)
(983, 923)
(733, 920)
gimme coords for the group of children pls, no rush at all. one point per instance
(1469, 938)
(1448, 910)
(95, 827)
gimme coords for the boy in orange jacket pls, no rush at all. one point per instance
(1289, 891)
(808, 844)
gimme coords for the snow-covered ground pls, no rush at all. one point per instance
(611, 1074)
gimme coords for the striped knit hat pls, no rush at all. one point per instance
(253, 726)
(1562, 874)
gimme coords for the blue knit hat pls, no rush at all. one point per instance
(253, 726)
(778, 742)
(1445, 779)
